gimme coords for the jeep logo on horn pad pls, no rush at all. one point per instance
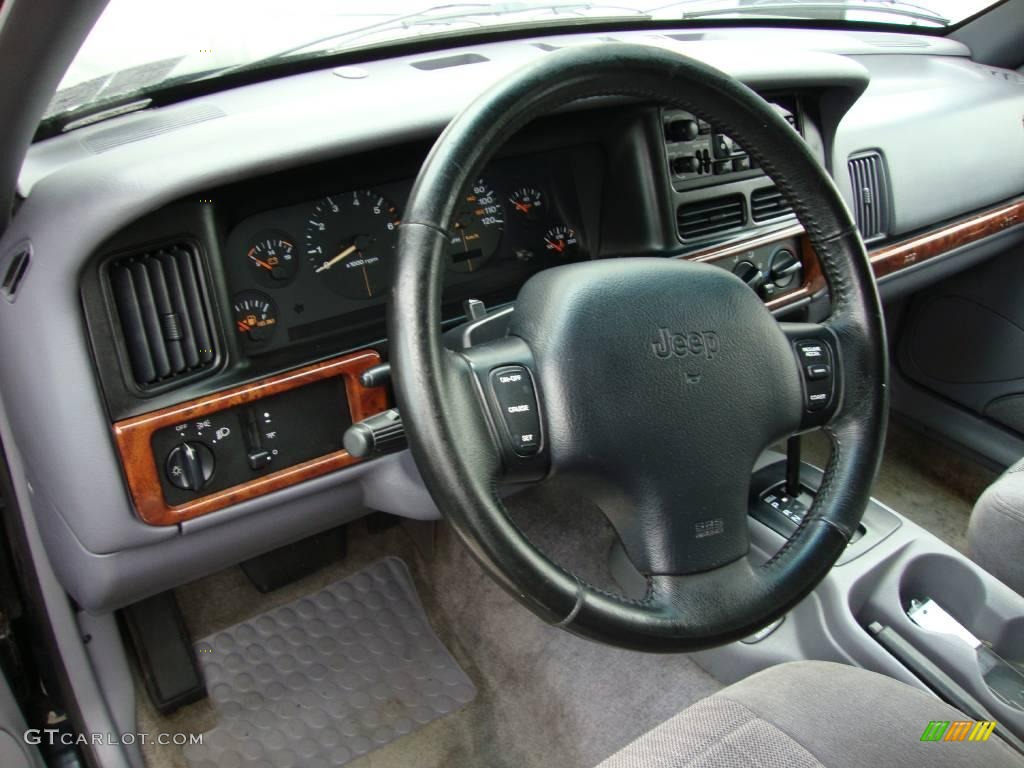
(685, 344)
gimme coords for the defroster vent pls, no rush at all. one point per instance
(165, 316)
(870, 194)
(710, 217)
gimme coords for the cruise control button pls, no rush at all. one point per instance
(517, 403)
(812, 352)
(818, 371)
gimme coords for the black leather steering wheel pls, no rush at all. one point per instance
(658, 382)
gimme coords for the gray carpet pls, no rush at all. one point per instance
(545, 698)
(931, 484)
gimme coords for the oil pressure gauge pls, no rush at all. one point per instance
(527, 202)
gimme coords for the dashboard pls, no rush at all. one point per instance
(217, 271)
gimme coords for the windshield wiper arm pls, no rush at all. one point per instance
(905, 10)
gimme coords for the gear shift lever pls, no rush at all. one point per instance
(793, 466)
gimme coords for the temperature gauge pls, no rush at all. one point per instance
(255, 316)
(273, 259)
(561, 241)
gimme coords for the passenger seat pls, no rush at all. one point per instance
(995, 536)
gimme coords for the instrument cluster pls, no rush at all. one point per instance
(324, 267)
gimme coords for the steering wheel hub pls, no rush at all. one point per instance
(661, 381)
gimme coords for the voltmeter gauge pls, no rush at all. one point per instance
(273, 259)
(255, 316)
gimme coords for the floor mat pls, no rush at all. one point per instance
(328, 677)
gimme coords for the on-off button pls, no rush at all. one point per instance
(517, 403)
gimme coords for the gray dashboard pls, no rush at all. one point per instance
(82, 189)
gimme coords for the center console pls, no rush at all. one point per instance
(899, 601)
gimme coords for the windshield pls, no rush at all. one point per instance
(139, 46)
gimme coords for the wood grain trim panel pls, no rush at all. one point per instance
(894, 257)
(885, 260)
(133, 438)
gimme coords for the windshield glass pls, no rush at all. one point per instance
(138, 46)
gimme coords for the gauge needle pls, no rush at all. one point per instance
(465, 247)
(559, 246)
(524, 207)
(340, 257)
(262, 263)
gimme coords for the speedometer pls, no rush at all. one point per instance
(477, 229)
(350, 242)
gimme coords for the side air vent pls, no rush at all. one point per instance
(870, 195)
(164, 312)
(768, 203)
(710, 217)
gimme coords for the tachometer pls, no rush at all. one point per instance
(350, 242)
(477, 230)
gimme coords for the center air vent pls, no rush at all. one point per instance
(870, 195)
(164, 313)
(768, 203)
(710, 217)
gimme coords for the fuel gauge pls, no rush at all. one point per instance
(255, 316)
(561, 242)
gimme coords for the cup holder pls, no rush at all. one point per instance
(960, 588)
(951, 583)
(961, 594)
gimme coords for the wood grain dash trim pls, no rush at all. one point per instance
(133, 438)
(894, 257)
(885, 260)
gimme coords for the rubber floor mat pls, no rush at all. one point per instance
(327, 678)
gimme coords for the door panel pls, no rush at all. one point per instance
(963, 339)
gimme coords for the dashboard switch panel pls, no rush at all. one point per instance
(202, 455)
(249, 440)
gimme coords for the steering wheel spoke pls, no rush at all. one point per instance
(819, 365)
(505, 382)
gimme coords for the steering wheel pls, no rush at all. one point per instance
(657, 382)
